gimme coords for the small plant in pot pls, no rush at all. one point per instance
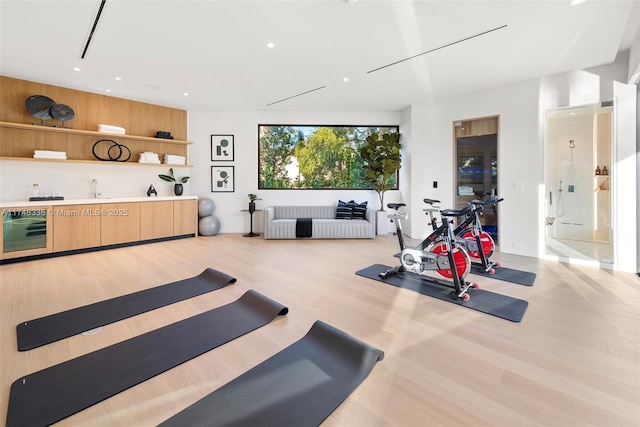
(177, 188)
(252, 202)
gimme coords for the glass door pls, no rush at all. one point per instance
(476, 174)
(578, 173)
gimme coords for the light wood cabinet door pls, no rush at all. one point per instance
(156, 220)
(76, 227)
(119, 223)
(185, 217)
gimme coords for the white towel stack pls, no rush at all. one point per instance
(111, 129)
(465, 191)
(170, 159)
(45, 154)
(149, 157)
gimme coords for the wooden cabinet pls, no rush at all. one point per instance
(39, 230)
(185, 217)
(477, 127)
(76, 227)
(119, 223)
(156, 220)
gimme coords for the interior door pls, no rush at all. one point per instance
(476, 166)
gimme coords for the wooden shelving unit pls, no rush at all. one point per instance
(19, 137)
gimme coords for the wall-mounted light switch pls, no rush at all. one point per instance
(435, 184)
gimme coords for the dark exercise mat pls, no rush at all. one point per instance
(507, 274)
(299, 386)
(48, 329)
(503, 306)
(52, 394)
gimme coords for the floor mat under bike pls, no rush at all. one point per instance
(507, 274)
(502, 306)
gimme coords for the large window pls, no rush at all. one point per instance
(313, 157)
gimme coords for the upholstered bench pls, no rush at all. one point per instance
(280, 223)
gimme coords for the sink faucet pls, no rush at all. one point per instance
(94, 188)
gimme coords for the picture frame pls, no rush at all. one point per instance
(222, 179)
(222, 148)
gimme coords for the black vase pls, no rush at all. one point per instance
(177, 189)
(252, 207)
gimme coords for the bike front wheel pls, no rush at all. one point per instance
(460, 258)
(486, 242)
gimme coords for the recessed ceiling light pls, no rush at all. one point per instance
(118, 78)
(108, 90)
(576, 2)
(76, 69)
(186, 94)
(271, 45)
(346, 79)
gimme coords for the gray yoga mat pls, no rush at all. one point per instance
(299, 386)
(499, 305)
(52, 394)
(45, 330)
(507, 274)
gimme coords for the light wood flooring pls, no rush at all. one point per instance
(574, 360)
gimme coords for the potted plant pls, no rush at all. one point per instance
(252, 202)
(381, 155)
(177, 188)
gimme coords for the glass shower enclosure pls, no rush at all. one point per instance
(578, 173)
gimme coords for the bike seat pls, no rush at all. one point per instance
(431, 201)
(457, 212)
(396, 206)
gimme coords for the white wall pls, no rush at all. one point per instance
(244, 127)
(519, 158)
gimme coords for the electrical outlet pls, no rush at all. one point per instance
(435, 184)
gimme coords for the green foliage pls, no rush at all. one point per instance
(275, 148)
(381, 156)
(325, 157)
(171, 178)
(253, 197)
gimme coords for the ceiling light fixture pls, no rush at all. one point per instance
(440, 47)
(271, 45)
(346, 79)
(118, 78)
(186, 94)
(108, 90)
(576, 2)
(76, 69)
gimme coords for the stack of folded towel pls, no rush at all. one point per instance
(170, 159)
(149, 157)
(45, 154)
(465, 191)
(111, 129)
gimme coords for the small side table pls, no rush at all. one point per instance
(251, 233)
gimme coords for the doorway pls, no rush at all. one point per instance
(476, 166)
(578, 174)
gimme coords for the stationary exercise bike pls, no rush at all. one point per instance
(438, 251)
(469, 234)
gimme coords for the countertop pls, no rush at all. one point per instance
(100, 200)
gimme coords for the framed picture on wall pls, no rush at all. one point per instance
(222, 148)
(222, 179)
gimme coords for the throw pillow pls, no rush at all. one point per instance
(343, 211)
(359, 210)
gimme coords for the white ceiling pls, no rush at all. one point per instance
(216, 50)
